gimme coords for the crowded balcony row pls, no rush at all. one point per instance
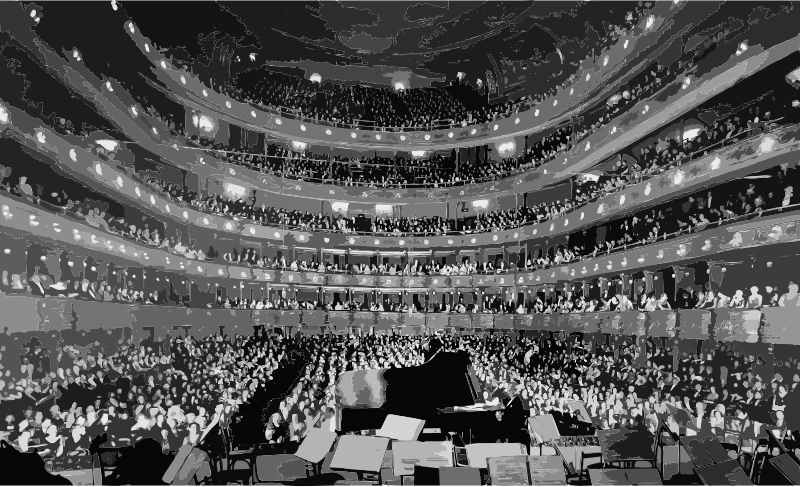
(391, 109)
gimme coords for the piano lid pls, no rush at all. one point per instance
(445, 380)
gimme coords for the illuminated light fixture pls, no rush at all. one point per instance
(130, 26)
(538, 278)
(566, 222)
(494, 237)
(555, 102)
(480, 204)
(277, 234)
(473, 240)
(572, 273)
(163, 65)
(646, 109)
(625, 262)
(545, 171)
(536, 113)
(108, 86)
(535, 231)
(352, 240)
(205, 221)
(252, 231)
(742, 48)
(640, 259)
(73, 155)
(588, 146)
(507, 148)
(552, 226)
(650, 21)
(402, 137)
(33, 13)
(450, 135)
(152, 200)
(155, 131)
(678, 179)
(40, 137)
(3, 114)
(681, 249)
(584, 271)
(298, 145)
(596, 267)
(588, 76)
(135, 114)
(316, 78)
(707, 245)
(715, 163)
(516, 121)
(228, 226)
(660, 254)
(166, 207)
(219, 272)
(610, 265)
(605, 61)
(625, 44)
(614, 129)
(426, 242)
(98, 168)
(7, 251)
(199, 269)
(253, 113)
(107, 144)
(146, 47)
(600, 209)
(474, 131)
(402, 242)
(353, 135)
(450, 242)
(647, 189)
(399, 86)
(183, 79)
(767, 144)
(622, 199)
(496, 126)
(76, 55)
(186, 214)
(582, 215)
(571, 91)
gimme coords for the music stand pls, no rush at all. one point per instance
(527, 470)
(723, 473)
(624, 445)
(315, 447)
(401, 428)
(477, 453)
(702, 451)
(176, 464)
(625, 476)
(459, 476)
(408, 454)
(786, 465)
(187, 470)
(360, 454)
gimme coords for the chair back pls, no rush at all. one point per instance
(567, 465)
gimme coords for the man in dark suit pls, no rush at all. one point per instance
(514, 417)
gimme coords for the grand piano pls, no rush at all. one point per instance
(430, 391)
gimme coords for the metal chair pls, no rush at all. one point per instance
(584, 471)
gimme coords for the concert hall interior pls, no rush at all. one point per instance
(400, 243)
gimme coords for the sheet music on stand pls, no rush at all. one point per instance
(401, 428)
(316, 445)
(545, 427)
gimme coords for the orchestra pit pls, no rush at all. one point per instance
(400, 243)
